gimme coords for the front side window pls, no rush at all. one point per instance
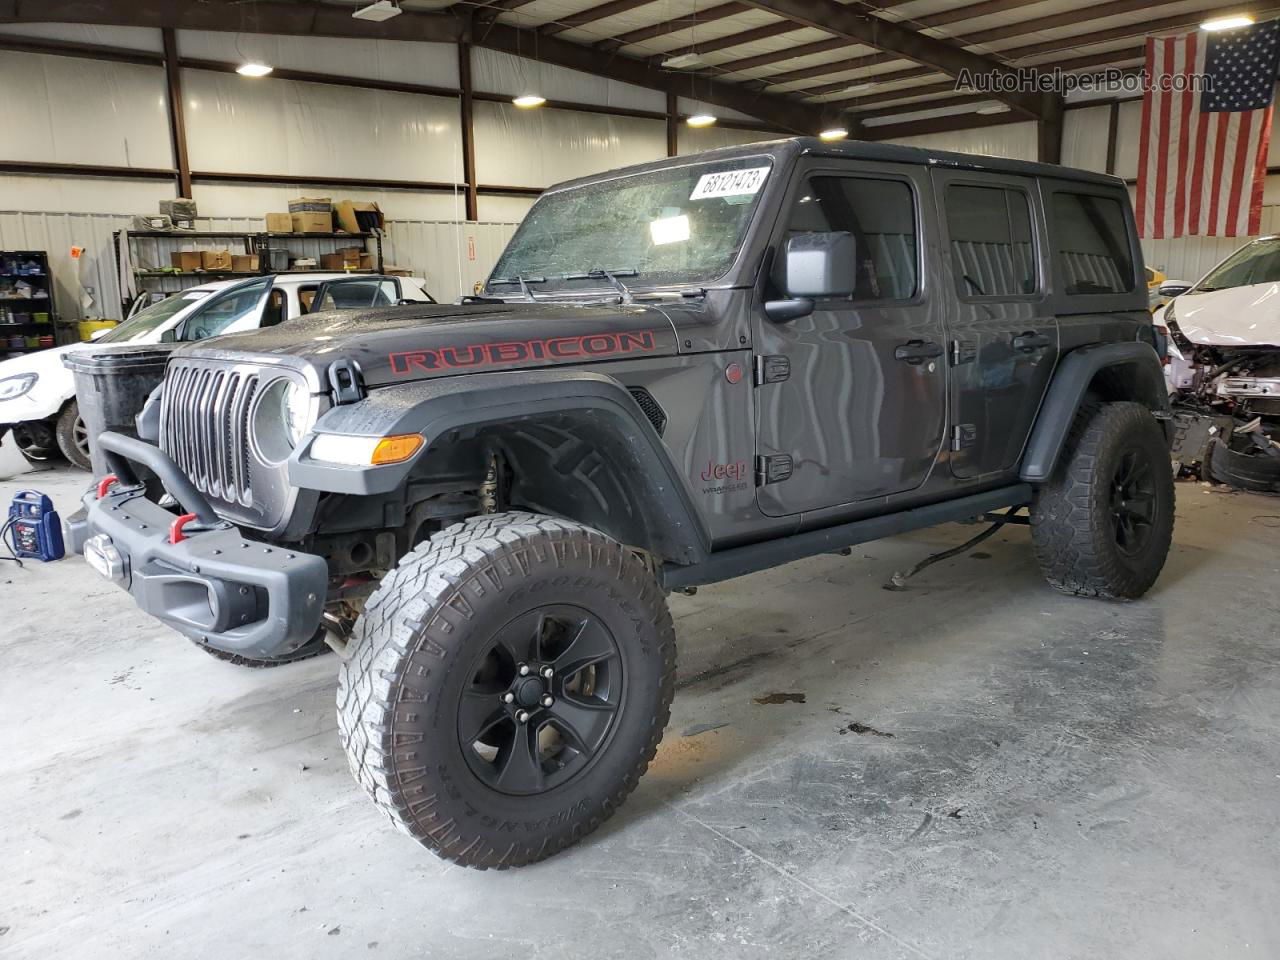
(676, 225)
(991, 248)
(1092, 244)
(1257, 262)
(222, 311)
(881, 216)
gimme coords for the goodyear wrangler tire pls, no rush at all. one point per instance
(507, 686)
(1103, 523)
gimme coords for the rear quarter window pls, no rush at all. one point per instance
(1091, 245)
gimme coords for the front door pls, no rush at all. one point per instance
(851, 399)
(1002, 340)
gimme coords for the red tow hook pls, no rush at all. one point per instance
(175, 529)
(106, 482)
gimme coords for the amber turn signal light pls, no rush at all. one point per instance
(396, 449)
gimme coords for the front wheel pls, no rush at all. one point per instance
(1103, 523)
(507, 685)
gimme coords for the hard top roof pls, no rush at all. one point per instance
(861, 150)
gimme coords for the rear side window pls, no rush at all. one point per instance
(1091, 244)
(991, 248)
(881, 216)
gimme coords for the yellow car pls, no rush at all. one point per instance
(1154, 279)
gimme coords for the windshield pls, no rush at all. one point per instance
(1257, 262)
(679, 225)
(140, 324)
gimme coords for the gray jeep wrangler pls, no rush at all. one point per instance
(677, 373)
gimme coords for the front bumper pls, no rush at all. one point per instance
(216, 587)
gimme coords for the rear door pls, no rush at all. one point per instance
(854, 393)
(1002, 336)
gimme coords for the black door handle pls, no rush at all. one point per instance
(1028, 342)
(917, 351)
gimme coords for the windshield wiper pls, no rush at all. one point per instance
(523, 281)
(610, 275)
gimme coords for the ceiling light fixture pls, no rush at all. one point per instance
(701, 120)
(1227, 23)
(377, 12)
(993, 108)
(859, 87)
(833, 133)
(682, 61)
(253, 69)
(527, 101)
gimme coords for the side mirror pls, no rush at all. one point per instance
(822, 265)
(817, 265)
(1174, 288)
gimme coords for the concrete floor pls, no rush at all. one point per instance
(980, 768)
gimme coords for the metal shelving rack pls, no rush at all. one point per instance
(11, 272)
(259, 243)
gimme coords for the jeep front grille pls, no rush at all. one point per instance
(204, 426)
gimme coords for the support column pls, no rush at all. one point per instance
(177, 120)
(1113, 131)
(673, 125)
(468, 131)
(1049, 131)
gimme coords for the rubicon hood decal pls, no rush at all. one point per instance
(423, 341)
(584, 347)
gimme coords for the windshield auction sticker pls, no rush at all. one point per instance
(730, 183)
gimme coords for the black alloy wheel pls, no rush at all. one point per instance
(542, 700)
(1133, 501)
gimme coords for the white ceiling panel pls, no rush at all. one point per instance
(702, 32)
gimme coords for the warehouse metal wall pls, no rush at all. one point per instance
(451, 256)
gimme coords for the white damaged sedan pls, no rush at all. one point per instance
(1224, 347)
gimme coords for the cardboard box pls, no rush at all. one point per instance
(245, 263)
(311, 205)
(312, 222)
(186, 260)
(351, 253)
(279, 223)
(339, 261)
(215, 260)
(356, 217)
(366, 261)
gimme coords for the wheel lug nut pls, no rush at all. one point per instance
(547, 673)
(548, 700)
(523, 716)
(508, 697)
(524, 669)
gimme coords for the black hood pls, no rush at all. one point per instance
(398, 344)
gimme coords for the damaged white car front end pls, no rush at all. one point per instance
(1224, 347)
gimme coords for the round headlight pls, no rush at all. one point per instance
(280, 419)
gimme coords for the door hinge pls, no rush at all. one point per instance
(772, 469)
(963, 351)
(963, 435)
(772, 369)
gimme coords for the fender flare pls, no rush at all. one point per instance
(1071, 381)
(436, 408)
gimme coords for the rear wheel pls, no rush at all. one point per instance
(1103, 524)
(73, 437)
(507, 686)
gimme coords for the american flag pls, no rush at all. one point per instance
(1202, 157)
